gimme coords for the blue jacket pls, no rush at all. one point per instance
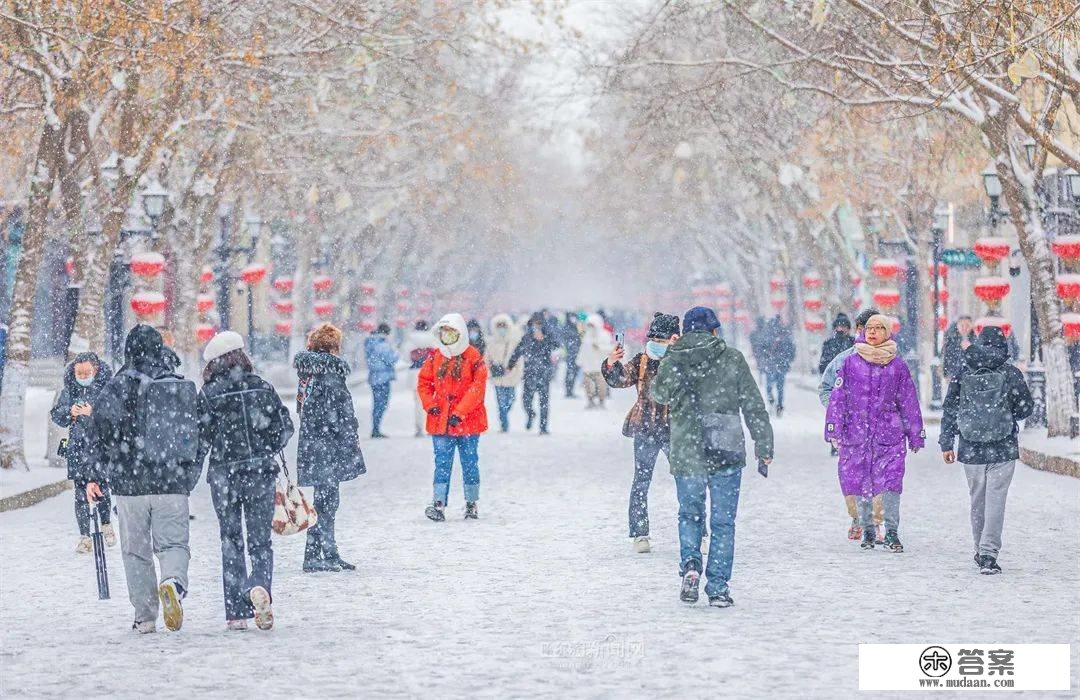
(828, 377)
(380, 358)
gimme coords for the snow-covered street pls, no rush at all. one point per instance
(544, 595)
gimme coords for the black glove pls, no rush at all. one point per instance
(453, 421)
(434, 411)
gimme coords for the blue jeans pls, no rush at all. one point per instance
(724, 501)
(380, 393)
(775, 378)
(466, 446)
(646, 449)
(504, 395)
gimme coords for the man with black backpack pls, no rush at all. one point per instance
(986, 398)
(147, 423)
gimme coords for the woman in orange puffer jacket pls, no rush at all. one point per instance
(451, 387)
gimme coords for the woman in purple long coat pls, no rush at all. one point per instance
(873, 419)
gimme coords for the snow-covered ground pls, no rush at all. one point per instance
(12, 481)
(543, 595)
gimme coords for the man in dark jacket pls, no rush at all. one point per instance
(778, 352)
(84, 379)
(958, 338)
(151, 495)
(985, 400)
(535, 350)
(571, 342)
(706, 384)
(839, 342)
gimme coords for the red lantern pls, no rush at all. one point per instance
(427, 293)
(322, 283)
(776, 284)
(367, 288)
(886, 297)
(1070, 325)
(813, 303)
(777, 303)
(146, 304)
(283, 327)
(403, 292)
(723, 303)
(991, 250)
(324, 307)
(856, 280)
(723, 290)
(885, 268)
(283, 306)
(253, 273)
(811, 280)
(942, 295)
(69, 267)
(367, 308)
(942, 269)
(991, 289)
(856, 303)
(894, 325)
(204, 302)
(1068, 286)
(998, 321)
(942, 323)
(814, 323)
(284, 284)
(204, 332)
(148, 265)
(724, 316)
(402, 305)
(741, 316)
(1067, 247)
(367, 325)
(206, 276)
(401, 322)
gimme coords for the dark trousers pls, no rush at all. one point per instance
(571, 377)
(775, 379)
(646, 449)
(542, 387)
(380, 393)
(244, 501)
(321, 540)
(82, 507)
(505, 398)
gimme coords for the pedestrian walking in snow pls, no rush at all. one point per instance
(381, 361)
(757, 347)
(596, 345)
(873, 419)
(503, 339)
(706, 384)
(419, 345)
(476, 336)
(958, 338)
(452, 387)
(778, 352)
(535, 350)
(84, 378)
(246, 427)
(647, 423)
(571, 342)
(328, 452)
(840, 341)
(825, 387)
(985, 400)
(147, 421)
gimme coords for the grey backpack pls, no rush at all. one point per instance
(984, 415)
(167, 419)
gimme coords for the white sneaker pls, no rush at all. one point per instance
(236, 625)
(171, 609)
(264, 615)
(641, 545)
(144, 627)
(109, 534)
(85, 546)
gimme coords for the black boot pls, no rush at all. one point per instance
(471, 512)
(436, 511)
(988, 565)
(342, 565)
(868, 538)
(688, 593)
(892, 542)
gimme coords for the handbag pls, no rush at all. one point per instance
(292, 512)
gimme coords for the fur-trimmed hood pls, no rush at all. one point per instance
(457, 322)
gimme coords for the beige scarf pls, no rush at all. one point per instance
(880, 354)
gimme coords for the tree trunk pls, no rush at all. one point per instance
(17, 367)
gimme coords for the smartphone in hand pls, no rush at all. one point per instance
(618, 340)
(763, 468)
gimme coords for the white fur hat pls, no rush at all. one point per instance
(223, 342)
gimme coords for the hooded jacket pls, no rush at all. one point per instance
(452, 384)
(832, 347)
(479, 343)
(80, 448)
(596, 344)
(990, 351)
(701, 374)
(116, 420)
(380, 359)
(952, 351)
(778, 347)
(329, 444)
(536, 353)
(500, 347)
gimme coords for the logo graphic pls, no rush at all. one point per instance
(935, 662)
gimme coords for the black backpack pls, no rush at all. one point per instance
(166, 419)
(984, 414)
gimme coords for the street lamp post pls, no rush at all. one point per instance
(224, 278)
(941, 223)
(254, 224)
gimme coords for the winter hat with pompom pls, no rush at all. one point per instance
(223, 342)
(663, 326)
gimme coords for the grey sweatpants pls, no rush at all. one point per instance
(988, 485)
(153, 525)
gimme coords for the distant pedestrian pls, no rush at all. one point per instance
(958, 338)
(503, 339)
(841, 340)
(381, 361)
(476, 336)
(778, 352)
(535, 350)
(596, 345)
(571, 342)
(419, 345)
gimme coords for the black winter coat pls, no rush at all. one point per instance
(952, 352)
(832, 347)
(80, 448)
(537, 357)
(994, 357)
(571, 340)
(778, 348)
(247, 424)
(115, 422)
(329, 443)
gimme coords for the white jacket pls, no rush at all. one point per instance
(596, 345)
(500, 348)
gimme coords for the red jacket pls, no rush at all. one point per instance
(456, 386)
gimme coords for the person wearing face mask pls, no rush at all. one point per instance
(505, 336)
(647, 423)
(873, 419)
(536, 349)
(451, 388)
(476, 336)
(84, 379)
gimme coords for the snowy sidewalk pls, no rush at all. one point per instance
(543, 595)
